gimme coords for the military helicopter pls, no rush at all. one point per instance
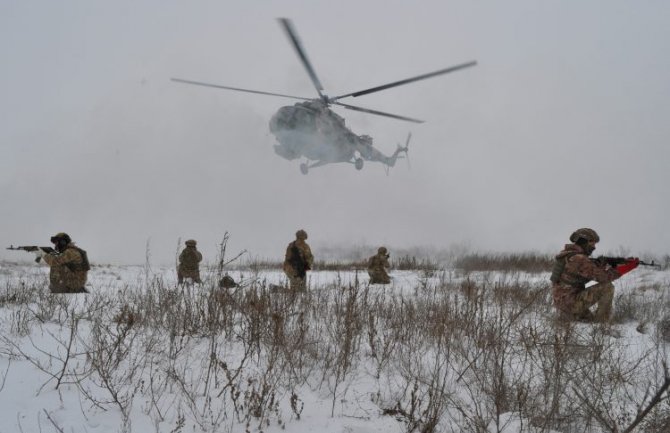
(310, 129)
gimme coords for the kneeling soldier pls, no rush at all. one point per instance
(377, 266)
(68, 265)
(573, 269)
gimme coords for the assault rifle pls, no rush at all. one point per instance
(31, 248)
(615, 261)
(298, 262)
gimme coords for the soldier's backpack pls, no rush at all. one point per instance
(84, 266)
(559, 266)
(297, 261)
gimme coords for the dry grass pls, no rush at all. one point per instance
(523, 262)
(448, 356)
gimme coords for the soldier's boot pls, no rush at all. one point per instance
(585, 316)
(605, 296)
(580, 310)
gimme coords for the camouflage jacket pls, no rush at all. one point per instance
(189, 259)
(67, 273)
(579, 269)
(297, 265)
(378, 262)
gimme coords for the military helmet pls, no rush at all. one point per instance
(301, 234)
(585, 233)
(382, 250)
(61, 236)
(227, 282)
(190, 243)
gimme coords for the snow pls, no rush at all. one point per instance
(191, 394)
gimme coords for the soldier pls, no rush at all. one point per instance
(189, 263)
(573, 269)
(298, 261)
(377, 266)
(68, 265)
(227, 282)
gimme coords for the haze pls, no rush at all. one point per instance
(563, 124)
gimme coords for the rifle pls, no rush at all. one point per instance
(298, 262)
(31, 248)
(615, 261)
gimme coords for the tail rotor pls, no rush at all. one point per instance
(405, 149)
(391, 160)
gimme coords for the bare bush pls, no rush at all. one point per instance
(663, 329)
(524, 262)
(641, 307)
(479, 353)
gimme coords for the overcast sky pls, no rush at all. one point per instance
(563, 124)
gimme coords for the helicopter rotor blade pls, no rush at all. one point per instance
(295, 40)
(406, 81)
(237, 89)
(379, 113)
(409, 165)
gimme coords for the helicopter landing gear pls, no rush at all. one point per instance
(358, 163)
(304, 168)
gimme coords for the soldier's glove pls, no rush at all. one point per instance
(630, 264)
(39, 253)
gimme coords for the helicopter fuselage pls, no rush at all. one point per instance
(313, 131)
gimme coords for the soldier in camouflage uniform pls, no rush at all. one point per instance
(189, 263)
(377, 266)
(573, 269)
(68, 265)
(297, 261)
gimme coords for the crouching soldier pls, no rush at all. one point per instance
(189, 263)
(227, 282)
(377, 266)
(68, 265)
(573, 269)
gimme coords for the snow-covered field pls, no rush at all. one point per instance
(433, 351)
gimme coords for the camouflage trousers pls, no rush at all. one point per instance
(601, 294)
(193, 275)
(379, 277)
(296, 283)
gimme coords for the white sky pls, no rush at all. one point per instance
(563, 124)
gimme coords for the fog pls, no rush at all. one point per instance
(562, 124)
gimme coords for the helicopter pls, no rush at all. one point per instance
(311, 130)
